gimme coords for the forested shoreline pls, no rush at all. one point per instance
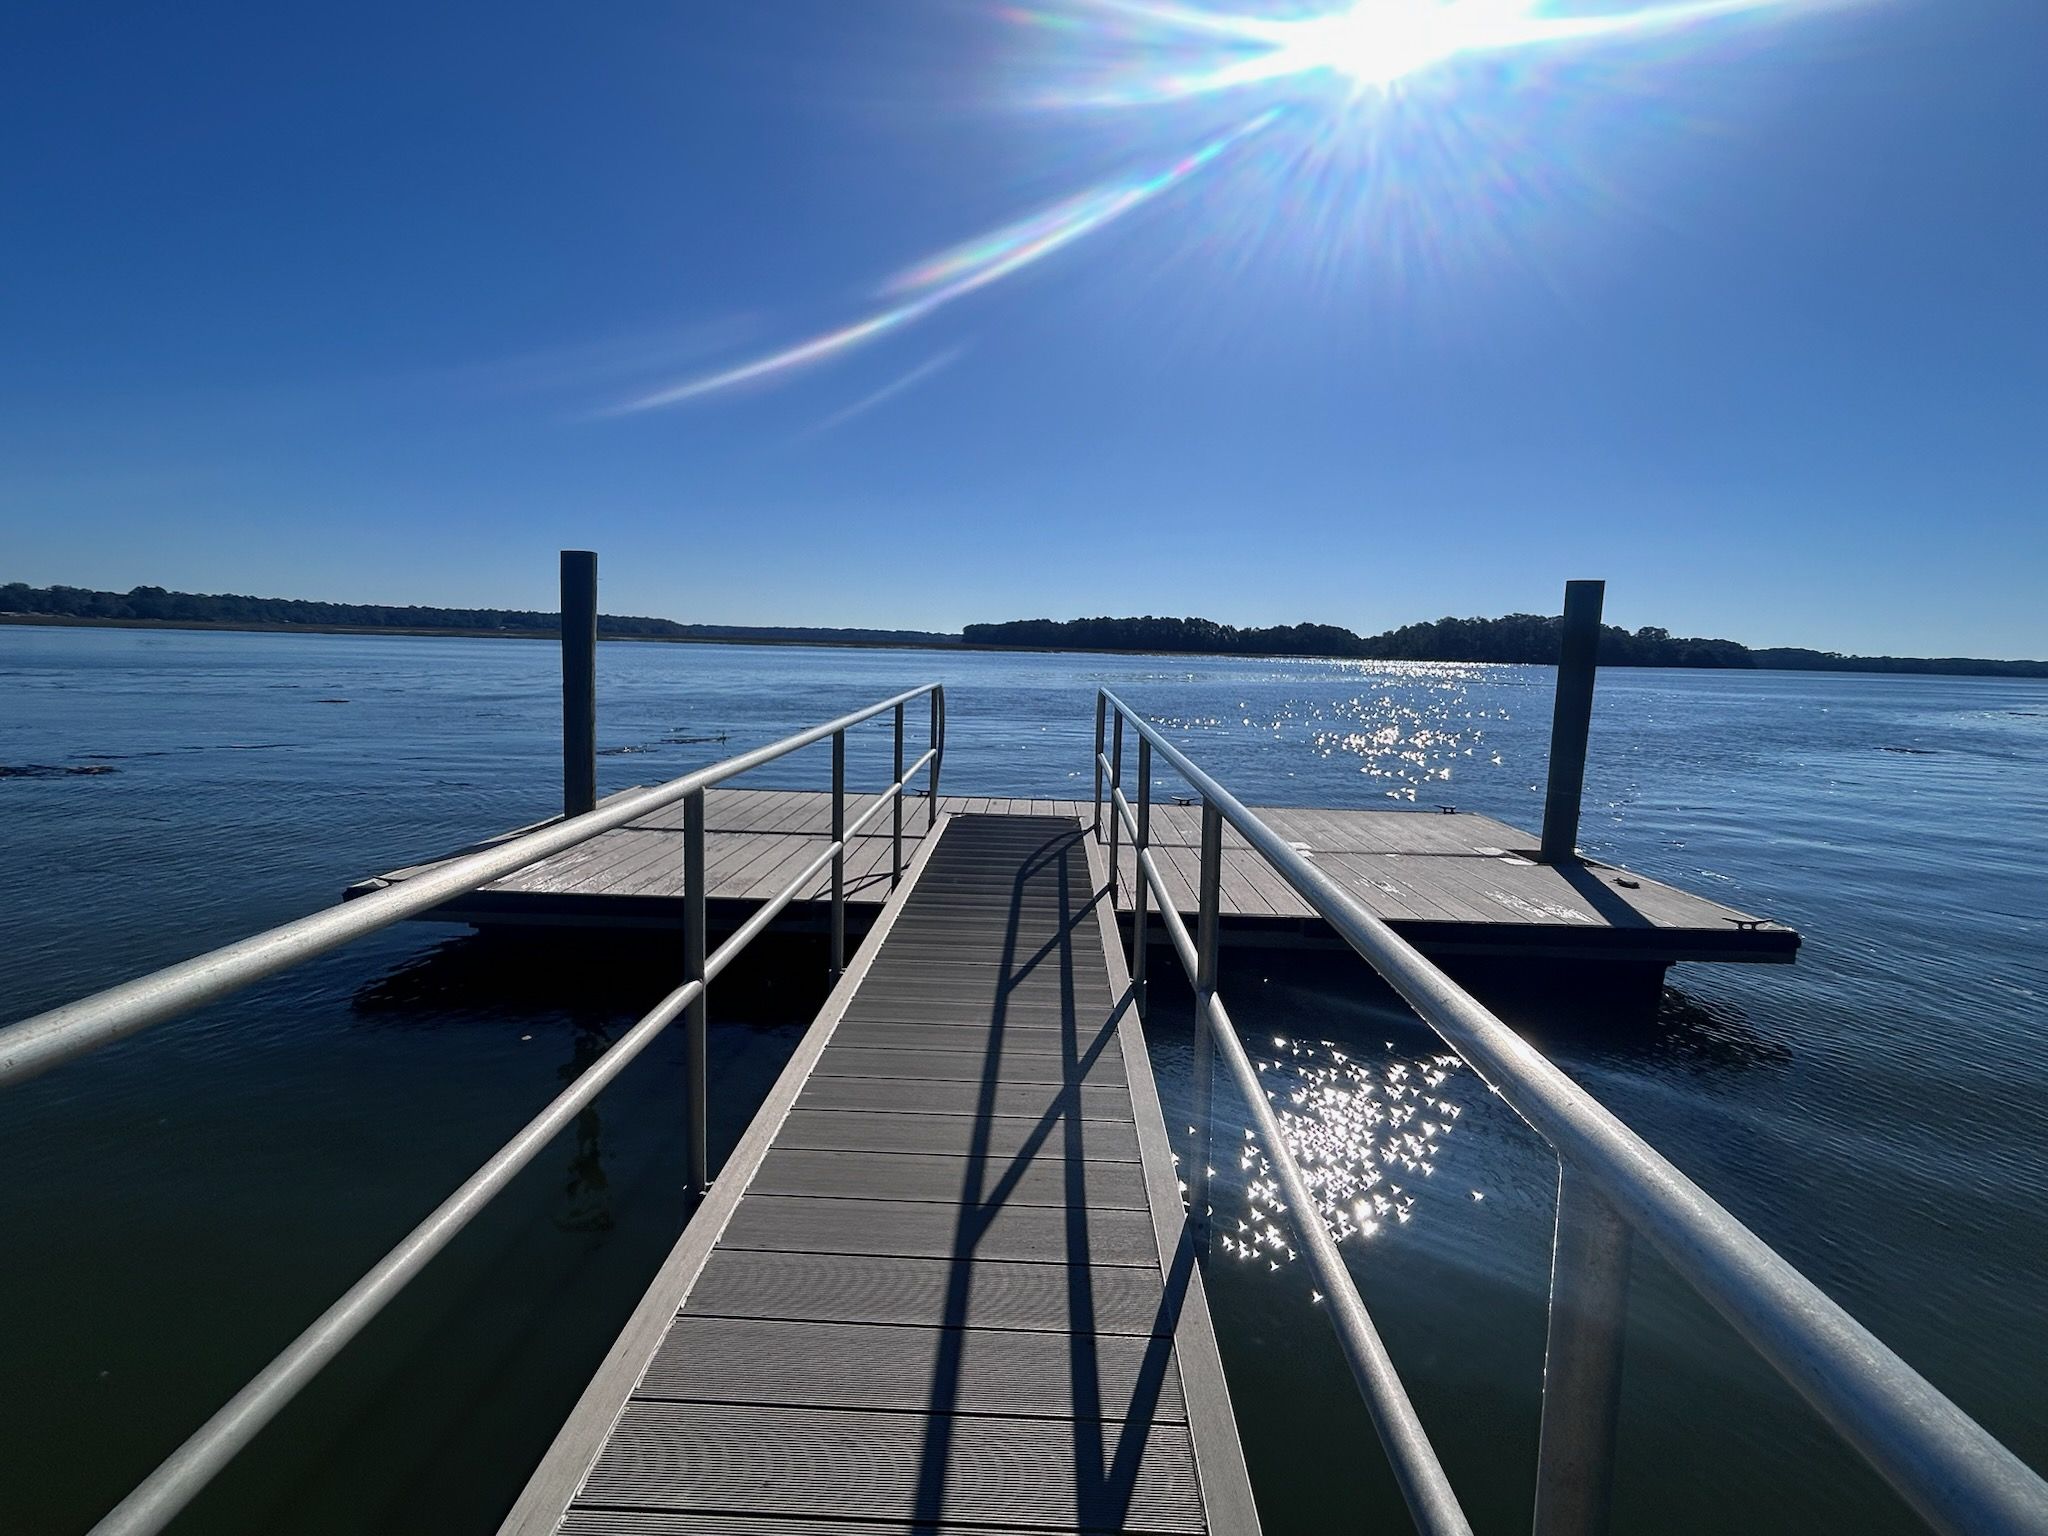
(1518, 637)
(228, 610)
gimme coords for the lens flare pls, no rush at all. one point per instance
(929, 368)
(1387, 150)
(1174, 52)
(965, 269)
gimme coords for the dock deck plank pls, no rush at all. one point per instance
(949, 1289)
(1448, 882)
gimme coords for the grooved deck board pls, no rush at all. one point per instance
(1048, 1177)
(991, 1065)
(802, 1461)
(951, 1135)
(1458, 882)
(916, 1229)
(1030, 1101)
(940, 1300)
(807, 1363)
(641, 1522)
(848, 1289)
(956, 1033)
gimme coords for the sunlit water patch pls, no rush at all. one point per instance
(1369, 1135)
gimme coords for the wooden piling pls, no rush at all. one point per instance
(1572, 719)
(579, 681)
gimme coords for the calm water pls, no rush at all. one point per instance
(179, 1206)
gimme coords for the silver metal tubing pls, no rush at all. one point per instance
(156, 1501)
(1141, 888)
(769, 910)
(1148, 870)
(1428, 1491)
(1124, 813)
(896, 800)
(1210, 900)
(1100, 704)
(1430, 1498)
(1201, 1143)
(937, 755)
(1582, 1364)
(37, 1044)
(1116, 777)
(838, 854)
(882, 801)
(1955, 1475)
(1424, 1486)
(696, 1054)
(765, 914)
(1176, 926)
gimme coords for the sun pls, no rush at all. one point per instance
(1377, 42)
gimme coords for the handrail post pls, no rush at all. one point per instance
(938, 749)
(696, 1056)
(838, 854)
(1205, 1044)
(1582, 1363)
(1100, 704)
(896, 810)
(579, 681)
(1116, 780)
(1141, 889)
(1571, 720)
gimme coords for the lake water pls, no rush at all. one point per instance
(179, 1206)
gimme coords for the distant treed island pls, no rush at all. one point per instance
(1519, 637)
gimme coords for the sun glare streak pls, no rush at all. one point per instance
(963, 270)
(1083, 211)
(909, 381)
(1179, 51)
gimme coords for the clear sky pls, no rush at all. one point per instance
(918, 312)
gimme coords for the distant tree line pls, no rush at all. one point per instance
(1519, 637)
(228, 609)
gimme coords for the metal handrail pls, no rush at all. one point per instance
(1612, 1184)
(37, 1044)
(48, 1039)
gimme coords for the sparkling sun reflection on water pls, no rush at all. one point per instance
(1370, 1136)
(1414, 727)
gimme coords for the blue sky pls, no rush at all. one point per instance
(1743, 311)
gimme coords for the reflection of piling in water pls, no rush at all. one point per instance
(586, 1187)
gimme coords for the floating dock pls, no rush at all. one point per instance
(1451, 883)
(942, 1285)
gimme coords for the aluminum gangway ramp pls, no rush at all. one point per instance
(944, 1284)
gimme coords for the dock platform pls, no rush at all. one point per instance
(944, 1284)
(1451, 883)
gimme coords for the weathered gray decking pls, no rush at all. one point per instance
(942, 1286)
(1450, 883)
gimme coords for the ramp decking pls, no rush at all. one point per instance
(1449, 883)
(942, 1286)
